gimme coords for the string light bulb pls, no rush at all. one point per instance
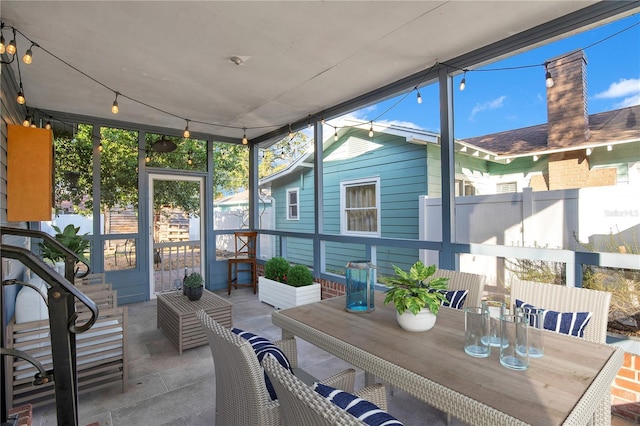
(186, 132)
(309, 122)
(190, 158)
(371, 130)
(418, 97)
(20, 98)
(33, 124)
(3, 48)
(100, 147)
(114, 107)
(27, 121)
(335, 135)
(48, 125)
(548, 78)
(147, 158)
(28, 55)
(463, 83)
(291, 134)
(11, 48)
(245, 141)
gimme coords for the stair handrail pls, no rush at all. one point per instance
(70, 257)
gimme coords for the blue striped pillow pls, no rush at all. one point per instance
(455, 298)
(362, 409)
(572, 323)
(262, 347)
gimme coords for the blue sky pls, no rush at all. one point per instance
(497, 100)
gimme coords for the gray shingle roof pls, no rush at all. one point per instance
(621, 125)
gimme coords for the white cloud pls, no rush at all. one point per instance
(629, 101)
(624, 87)
(493, 104)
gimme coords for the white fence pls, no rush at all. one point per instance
(604, 218)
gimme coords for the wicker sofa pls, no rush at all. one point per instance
(100, 351)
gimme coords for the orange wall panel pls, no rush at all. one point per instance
(29, 174)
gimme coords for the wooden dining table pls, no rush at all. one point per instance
(566, 386)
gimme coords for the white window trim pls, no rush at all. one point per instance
(343, 213)
(297, 192)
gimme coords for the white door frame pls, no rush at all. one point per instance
(173, 177)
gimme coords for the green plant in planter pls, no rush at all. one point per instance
(414, 290)
(194, 286)
(193, 280)
(299, 276)
(69, 238)
(276, 269)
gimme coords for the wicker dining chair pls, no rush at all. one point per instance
(572, 299)
(242, 398)
(301, 405)
(474, 283)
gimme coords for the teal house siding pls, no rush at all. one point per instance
(402, 170)
(299, 250)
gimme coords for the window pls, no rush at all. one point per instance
(360, 206)
(506, 187)
(292, 203)
(463, 188)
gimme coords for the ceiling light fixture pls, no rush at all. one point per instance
(245, 141)
(164, 145)
(463, 83)
(186, 133)
(548, 79)
(114, 107)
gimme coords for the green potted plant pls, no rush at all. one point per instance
(416, 297)
(276, 269)
(284, 285)
(69, 238)
(299, 276)
(194, 286)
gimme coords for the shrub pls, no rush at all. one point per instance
(299, 275)
(194, 280)
(276, 269)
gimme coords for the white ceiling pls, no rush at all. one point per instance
(300, 57)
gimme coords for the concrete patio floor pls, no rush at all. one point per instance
(166, 388)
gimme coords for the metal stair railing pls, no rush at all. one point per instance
(62, 323)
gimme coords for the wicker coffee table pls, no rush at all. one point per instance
(177, 317)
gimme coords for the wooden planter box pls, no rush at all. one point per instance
(283, 296)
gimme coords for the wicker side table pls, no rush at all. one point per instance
(177, 318)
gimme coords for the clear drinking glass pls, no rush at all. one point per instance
(513, 332)
(496, 309)
(476, 332)
(535, 340)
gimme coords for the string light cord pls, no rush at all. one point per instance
(244, 128)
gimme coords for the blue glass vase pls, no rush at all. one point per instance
(360, 286)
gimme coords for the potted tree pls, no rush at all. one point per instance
(285, 286)
(416, 297)
(194, 286)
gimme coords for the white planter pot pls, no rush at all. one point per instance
(423, 321)
(282, 296)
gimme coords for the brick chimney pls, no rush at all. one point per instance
(567, 115)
